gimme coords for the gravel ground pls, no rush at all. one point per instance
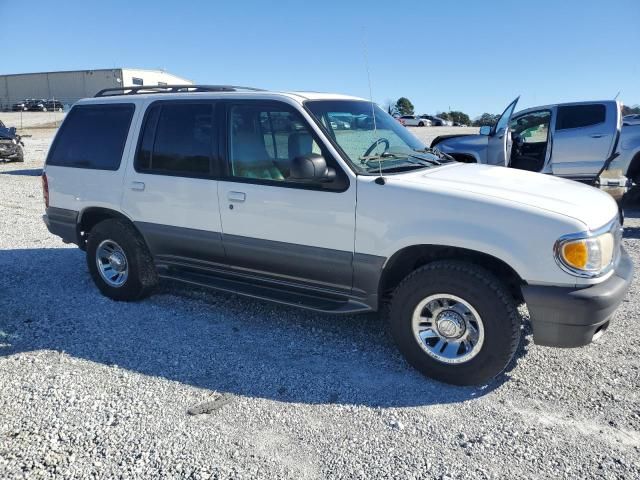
(194, 384)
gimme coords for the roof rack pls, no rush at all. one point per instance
(141, 89)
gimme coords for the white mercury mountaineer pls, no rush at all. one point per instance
(326, 202)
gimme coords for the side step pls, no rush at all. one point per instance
(266, 290)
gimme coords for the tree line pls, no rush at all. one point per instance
(403, 106)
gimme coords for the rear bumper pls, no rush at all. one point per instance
(63, 223)
(570, 317)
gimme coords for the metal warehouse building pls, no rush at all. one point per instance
(68, 87)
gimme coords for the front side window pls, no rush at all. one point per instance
(263, 141)
(579, 116)
(532, 127)
(92, 136)
(177, 139)
(374, 140)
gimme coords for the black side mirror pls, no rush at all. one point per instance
(310, 169)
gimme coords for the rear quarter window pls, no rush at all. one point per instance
(92, 136)
(578, 116)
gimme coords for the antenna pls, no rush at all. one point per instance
(373, 109)
(617, 94)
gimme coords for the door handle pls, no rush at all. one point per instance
(137, 186)
(598, 135)
(236, 196)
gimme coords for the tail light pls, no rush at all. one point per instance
(45, 189)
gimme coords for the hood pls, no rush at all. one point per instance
(582, 202)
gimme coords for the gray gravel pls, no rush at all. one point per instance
(194, 384)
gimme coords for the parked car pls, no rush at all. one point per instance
(202, 192)
(437, 121)
(633, 119)
(22, 106)
(581, 141)
(414, 121)
(37, 106)
(10, 145)
(53, 106)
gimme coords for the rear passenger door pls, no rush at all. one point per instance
(274, 226)
(583, 138)
(170, 190)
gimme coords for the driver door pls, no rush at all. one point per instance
(499, 142)
(274, 226)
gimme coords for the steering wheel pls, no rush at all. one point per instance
(375, 144)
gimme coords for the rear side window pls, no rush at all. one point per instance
(177, 139)
(92, 136)
(577, 116)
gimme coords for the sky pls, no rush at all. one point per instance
(473, 56)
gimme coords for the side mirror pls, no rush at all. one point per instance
(311, 168)
(485, 130)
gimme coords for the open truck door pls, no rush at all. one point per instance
(499, 142)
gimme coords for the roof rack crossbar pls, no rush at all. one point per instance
(141, 89)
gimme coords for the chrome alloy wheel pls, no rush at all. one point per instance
(112, 263)
(448, 328)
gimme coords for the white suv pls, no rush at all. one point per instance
(258, 193)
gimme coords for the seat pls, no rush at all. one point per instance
(300, 144)
(250, 158)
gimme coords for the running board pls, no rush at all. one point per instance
(265, 290)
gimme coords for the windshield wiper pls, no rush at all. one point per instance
(408, 156)
(435, 151)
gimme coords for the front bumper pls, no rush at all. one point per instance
(571, 317)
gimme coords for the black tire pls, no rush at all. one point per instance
(142, 274)
(421, 124)
(20, 155)
(482, 290)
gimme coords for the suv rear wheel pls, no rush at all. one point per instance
(455, 322)
(119, 262)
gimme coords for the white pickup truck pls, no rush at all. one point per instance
(258, 193)
(583, 141)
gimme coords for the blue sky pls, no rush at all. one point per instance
(473, 56)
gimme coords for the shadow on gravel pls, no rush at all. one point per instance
(34, 172)
(219, 342)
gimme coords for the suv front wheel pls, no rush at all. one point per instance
(119, 261)
(455, 322)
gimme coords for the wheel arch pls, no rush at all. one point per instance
(408, 259)
(89, 217)
(633, 171)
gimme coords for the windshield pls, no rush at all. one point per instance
(368, 144)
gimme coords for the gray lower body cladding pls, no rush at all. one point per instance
(320, 271)
(63, 223)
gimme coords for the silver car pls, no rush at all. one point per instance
(633, 119)
(414, 121)
(582, 141)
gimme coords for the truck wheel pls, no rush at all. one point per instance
(455, 322)
(119, 261)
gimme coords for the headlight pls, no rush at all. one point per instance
(589, 254)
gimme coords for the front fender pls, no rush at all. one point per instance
(398, 215)
(470, 145)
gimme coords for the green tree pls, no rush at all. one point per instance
(459, 117)
(627, 110)
(404, 106)
(486, 120)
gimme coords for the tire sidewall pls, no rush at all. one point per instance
(494, 314)
(113, 230)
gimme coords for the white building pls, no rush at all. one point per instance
(70, 86)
